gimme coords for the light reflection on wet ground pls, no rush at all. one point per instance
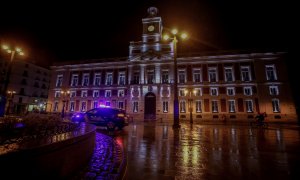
(156, 151)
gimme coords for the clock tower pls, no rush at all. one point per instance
(152, 26)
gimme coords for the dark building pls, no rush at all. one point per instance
(237, 85)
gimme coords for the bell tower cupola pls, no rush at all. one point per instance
(152, 26)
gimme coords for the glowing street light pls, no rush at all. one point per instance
(176, 102)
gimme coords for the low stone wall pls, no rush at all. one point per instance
(55, 157)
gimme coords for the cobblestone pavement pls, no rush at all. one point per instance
(107, 162)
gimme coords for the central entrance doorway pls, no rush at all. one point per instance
(150, 106)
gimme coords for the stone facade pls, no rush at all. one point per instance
(234, 85)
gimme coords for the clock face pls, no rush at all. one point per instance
(151, 28)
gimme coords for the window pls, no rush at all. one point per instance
(55, 108)
(249, 105)
(74, 80)
(150, 77)
(97, 79)
(212, 74)
(107, 93)
(107, 103)
(198, 92)
(72, 106)
(274, 90)
(182, 106)
(85, 79)
(57, 94)
(230, 91)
(59, 80)
(136, 77)
(165, 106)
(275, 105)
(214, 91)
(95, 104)
(109, 79)
(72, 94)
(229, 74)
(96, 93)
(198, 106)
(271, 73)
(121, 93)
(83, 106)
(197, 76)
(121, 78)
(245, 71)
(121, 104)
(214, 104)
(181, 92)
(181, 76)
(231, 104)
(165, 76)
(84, 93)
(248, 91)
(135, 106)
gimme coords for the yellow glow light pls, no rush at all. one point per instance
(8, 51)
(18, 49)
(184, 35)
(174, 31)
(21, 53)
(5, 47)
(166, 37)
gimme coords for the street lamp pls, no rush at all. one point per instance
(12, 53)
(176, 102)
(10, 97)
(63, 95)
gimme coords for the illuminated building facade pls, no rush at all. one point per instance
(237, 85)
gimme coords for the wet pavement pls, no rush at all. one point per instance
(156, 151)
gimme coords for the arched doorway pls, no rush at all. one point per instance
(150, 106)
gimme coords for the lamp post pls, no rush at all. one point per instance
(63, 94)
(12, 53)
(176, 102)
(10, 96)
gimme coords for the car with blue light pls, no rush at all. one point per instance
(111, 118)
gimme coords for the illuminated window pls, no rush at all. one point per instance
(72, 106)
(230, 91)
(150, 77)
(249, 105)
(274, 90)
(135, 106)
(165, 106)
(121, 93)
(181, 92)
(198, 92)
(229, 74)
(107, 103)
(182, 106)
(231, 104)
(74, 80)
(72, 94)
(57, 94)
(136, 78)
(198, 106)
(275, 105)
(271, 73)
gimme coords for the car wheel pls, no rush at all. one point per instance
(110, 126)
